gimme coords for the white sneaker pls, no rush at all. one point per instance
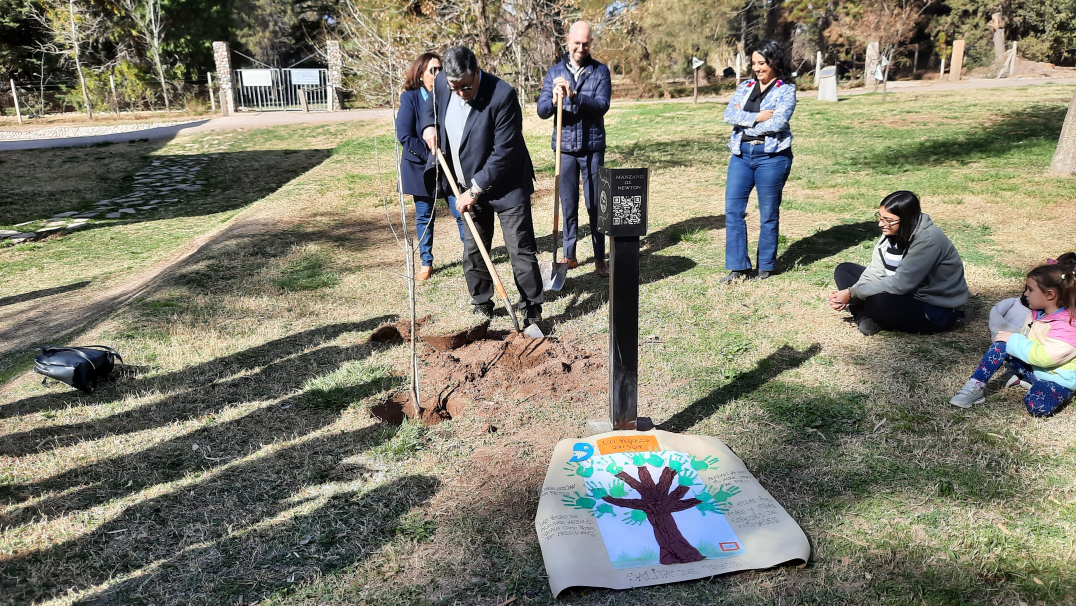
(970, 394)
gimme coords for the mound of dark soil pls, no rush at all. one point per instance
(501, 367)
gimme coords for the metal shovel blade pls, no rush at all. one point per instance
(534, 332)
(553, 274)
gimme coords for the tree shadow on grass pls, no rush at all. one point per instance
(826, 243)
(277, 370)
(678, 153)
(1009, 133)
(785, 358)
(42, 293)
(103, 480)
(250, 528)
(588, 292)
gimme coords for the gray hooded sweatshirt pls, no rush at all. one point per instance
(931, 270)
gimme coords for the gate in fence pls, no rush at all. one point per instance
(282, 90)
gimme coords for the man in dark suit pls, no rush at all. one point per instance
(479, 126)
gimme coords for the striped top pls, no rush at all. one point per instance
(891, 258)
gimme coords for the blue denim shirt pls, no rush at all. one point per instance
(782, 100)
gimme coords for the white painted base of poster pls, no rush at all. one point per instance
(630, 509)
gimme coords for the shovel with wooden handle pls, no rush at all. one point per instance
(553, 273)
(497, 285)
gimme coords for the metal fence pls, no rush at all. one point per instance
(279, 89)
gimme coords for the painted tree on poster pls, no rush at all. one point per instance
(657, 501)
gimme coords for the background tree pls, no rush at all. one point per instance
(68, 24)
(147, 16)
(1064, 160)
(891, 22)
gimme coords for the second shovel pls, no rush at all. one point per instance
(553, 273)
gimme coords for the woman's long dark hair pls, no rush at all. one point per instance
(905, 205)
(413, 81)
(775, 56)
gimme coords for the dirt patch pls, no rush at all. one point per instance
(500, 367)
(397, 331)
(455, 339)
(434, 409)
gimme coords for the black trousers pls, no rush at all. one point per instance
(518, 230)
(892, 312)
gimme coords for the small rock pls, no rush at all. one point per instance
(113, 216)
(127, 211)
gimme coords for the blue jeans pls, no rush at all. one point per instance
(570, 168)
(424, 220)
(1044, 397)
(754, 168)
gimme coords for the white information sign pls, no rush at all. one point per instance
(257, 77)
(305, 76)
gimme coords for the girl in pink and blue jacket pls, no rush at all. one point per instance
(1043, 353)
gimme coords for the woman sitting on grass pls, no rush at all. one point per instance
(1043, 354)
(915, 280)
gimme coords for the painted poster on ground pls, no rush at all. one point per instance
(630, 509)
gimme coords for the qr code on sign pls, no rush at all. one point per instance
(627, 210)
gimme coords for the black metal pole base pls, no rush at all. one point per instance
(624, 332)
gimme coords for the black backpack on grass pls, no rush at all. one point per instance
(79, 367)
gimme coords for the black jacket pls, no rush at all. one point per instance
(415, 154)
(492, 151)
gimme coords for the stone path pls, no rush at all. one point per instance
(164, 182)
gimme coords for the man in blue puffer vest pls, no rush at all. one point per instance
(585, 86)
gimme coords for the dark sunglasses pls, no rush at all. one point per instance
(434, 69)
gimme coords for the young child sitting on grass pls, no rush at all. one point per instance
(1044, 353)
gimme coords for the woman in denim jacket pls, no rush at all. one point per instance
(761, 148)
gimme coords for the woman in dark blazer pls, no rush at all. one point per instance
(416, 95)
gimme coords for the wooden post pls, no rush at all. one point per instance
(941, 74)
(915, 61)
(15, 96)
(223, 102)
(817, 66)
(212, 97)
(695, 98)
(302, 101)
(957, 64)
(1012, 62)
(115, 100)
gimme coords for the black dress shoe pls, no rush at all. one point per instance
(484, 309)
(762, 275)
(734, 276)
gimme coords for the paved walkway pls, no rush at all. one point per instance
(899, 86)
(244, 120)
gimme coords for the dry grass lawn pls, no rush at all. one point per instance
(236, 462)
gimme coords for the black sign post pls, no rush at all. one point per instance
(622, 216)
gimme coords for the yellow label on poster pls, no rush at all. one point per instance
(617, 444)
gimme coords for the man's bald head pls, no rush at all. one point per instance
(579, 39)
